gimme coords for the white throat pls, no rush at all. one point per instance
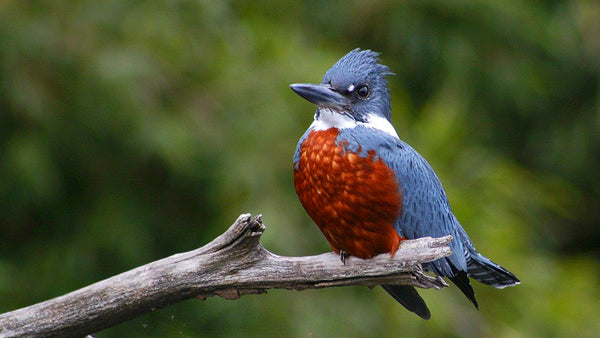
(329, 118)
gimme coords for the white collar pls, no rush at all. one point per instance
(328, 118)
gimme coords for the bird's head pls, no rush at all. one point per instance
(354, 90)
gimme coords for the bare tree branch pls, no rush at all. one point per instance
(232, 265)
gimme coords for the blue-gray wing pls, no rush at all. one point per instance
(426, 210)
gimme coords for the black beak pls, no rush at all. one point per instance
(321, 95)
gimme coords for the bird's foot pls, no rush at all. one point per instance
(343, 256)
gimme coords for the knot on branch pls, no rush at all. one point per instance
(244, 234)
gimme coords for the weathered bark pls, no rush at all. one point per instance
(232, 265)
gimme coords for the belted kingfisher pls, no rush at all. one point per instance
(367, 190)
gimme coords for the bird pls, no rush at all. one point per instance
(367, 190)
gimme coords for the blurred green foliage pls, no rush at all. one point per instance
(132, 130)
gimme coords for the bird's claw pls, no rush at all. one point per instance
(343, 256)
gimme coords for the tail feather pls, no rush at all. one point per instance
(446, 267)
(483, 270)
(461, 280)
(409, 298)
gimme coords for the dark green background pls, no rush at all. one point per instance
(133, 130)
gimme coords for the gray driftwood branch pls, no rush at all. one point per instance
(232, 265)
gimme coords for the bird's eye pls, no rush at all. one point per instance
(363, 92)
